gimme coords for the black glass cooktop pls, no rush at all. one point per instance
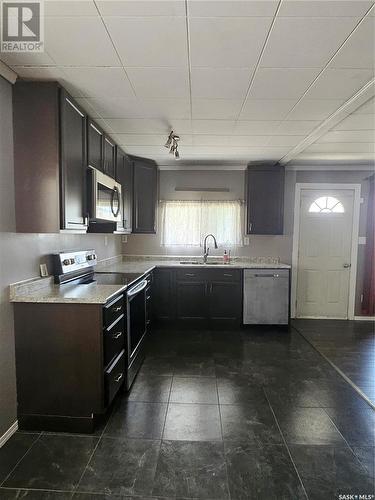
(114, 278)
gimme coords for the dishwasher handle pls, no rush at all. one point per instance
(266, 275)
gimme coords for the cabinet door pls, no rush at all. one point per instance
(191, 300)
(225, 302)
(94, 146)
(124, 175)
(109, 157)
(144, 196)
(73, 164)
(265, 199)
(164, 294)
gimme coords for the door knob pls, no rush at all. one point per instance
(347, 266)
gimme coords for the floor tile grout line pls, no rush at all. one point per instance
(286, 446)
(167, 411)
(222, 439)
(88, 462)
(20, 460)
(340, 372)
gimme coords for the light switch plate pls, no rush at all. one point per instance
(124, 239)
(246, 241)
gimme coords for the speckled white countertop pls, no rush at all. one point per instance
(43, 290)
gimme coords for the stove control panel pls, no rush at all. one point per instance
(66, 262)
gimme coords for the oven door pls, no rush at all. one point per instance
(105, 199)
(136, 309)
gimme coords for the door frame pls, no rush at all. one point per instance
(301, 186)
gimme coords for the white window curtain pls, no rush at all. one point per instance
(186, 223)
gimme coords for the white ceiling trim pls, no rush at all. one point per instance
(7, 73)
(185, 166)
(359, 98)
(344, 166)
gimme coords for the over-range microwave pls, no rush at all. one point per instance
(104, 198)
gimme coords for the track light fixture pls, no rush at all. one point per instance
(172, 144)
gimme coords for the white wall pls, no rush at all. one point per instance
(21, 254)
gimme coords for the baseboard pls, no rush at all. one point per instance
(9, 433)
(364, 318)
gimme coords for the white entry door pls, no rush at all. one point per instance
(324, 255)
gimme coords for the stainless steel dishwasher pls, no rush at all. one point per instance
(266, 297)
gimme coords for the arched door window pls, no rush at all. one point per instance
(327, 204)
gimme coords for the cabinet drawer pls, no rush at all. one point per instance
(114, 340)
(113, 310)
(190, 274)
(114, 377)
(233, 275)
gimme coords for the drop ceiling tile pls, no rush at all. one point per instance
(348, 136)
(308, 42)
(211, 140)
(147, 139)
(167, 108)
(281, 83)
(216, 109)
(94, 82)
(75, 8)
(296, 127)
(117, 107)
(79, 41)
(359, 50)
(220, 83)
(212, 126)
(367, 108)
(339, 83)
(30, 59)
(325, 8)
(148, 126)
(249, 140)
(342, 147)
(227, 42)
(357, 122)
(246, 127)
(285, 140)
(156, 83)
(149, 41)
(314, 109)
(141, 8)
(266, 109)
(234, 8)
(85, 104)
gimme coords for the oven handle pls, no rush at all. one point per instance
(138, 288)
(115, 192)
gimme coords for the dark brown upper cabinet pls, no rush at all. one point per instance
(145, 189)
(49, 159)
(95, 145)
(265, 199)
(124, 175)
(109, 157)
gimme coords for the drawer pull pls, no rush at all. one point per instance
(190, 274)
(118, 378)
(148, 297)
(117, 309)
(229, 275)
(117, 335)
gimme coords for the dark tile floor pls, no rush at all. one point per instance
(255, 414)
(349, 345)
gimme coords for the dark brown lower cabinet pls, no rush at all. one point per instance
(225, 302)
(70, 362)
(191, 301)
(203, 297)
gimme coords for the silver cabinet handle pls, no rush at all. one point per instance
(190, 274)
(347, 266)
(229, 275)
(251, 226)
(118, 378)
(117, 309)
(117, 335)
